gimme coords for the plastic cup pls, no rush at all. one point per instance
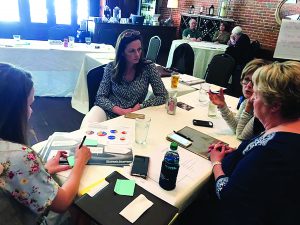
(71, 41)
(141, 129)
(174, 80)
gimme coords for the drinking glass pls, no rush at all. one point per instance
(88, 40)
(203, 92)
(71, 41)
(141, 129)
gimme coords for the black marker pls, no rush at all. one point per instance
(83, 139)
(182, 136)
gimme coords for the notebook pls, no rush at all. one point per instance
(105, 206)
(200, 140)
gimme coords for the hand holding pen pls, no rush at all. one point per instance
(83, 153)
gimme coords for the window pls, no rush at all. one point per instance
(38, 11)
(9, 11)
(82, 10)
(63, 11)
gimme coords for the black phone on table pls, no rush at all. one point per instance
(140, 166)
(203, 123)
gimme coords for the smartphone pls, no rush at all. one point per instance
(179, 139)
(214, 92)
(203, 123)
(140, 166)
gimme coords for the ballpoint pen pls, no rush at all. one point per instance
(182, 135)
(83, 139)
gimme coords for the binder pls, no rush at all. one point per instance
(200, 141)
(105, 206)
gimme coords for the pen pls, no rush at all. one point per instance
(182, 136)
(83, 139)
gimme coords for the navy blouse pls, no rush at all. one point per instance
(260, 185)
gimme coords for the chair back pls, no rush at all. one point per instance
(220, 69)
(153, 48)
(183, 59)
(255, 47)
(94, 78)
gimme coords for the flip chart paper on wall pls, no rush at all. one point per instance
(288, 43)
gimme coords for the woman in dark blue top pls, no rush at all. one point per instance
(258, 183)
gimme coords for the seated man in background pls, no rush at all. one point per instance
(240, 49)
(192, 33)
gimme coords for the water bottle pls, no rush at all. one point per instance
(169, 168)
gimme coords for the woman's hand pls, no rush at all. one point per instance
(199, 39)
(249, 105)
(82, 155)
(217, 99)
(218, 151)
(193, 39)
(120, 111)
(136, 107)
(53, 166)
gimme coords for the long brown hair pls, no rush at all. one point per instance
(125, 38)
(15, 87)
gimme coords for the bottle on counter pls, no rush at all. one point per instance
(211, 10)
(117, 13)
(169, 168)
(107, 12)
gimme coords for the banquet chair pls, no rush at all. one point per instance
(153, 48)
(219, 70)
(183, 59)
(94, 78)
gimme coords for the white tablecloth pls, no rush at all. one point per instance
(194, 170)
(204, 52)
(54, 68)
(80, 98)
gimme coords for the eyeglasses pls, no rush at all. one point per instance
(132, 33)
(246, 82)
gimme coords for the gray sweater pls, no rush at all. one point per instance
(241, 123)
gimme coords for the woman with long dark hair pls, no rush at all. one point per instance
(125, 82)
(27, 189)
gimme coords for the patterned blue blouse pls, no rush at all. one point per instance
(260, 185)
(128, 93)
(23, 179)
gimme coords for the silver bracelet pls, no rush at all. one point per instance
(215, 163)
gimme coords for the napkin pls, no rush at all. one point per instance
(136, 208)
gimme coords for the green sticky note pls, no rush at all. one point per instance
(90, 142)
(71, 160)
(125, 187)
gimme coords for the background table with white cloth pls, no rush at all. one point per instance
(204, 52)
(54, 68)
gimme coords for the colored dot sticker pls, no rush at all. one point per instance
(89, 132)
(113, 131)
(124, 132)
(101, 133)
(122, 138)
(111, 137)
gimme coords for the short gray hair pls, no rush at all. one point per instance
(237, 30)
